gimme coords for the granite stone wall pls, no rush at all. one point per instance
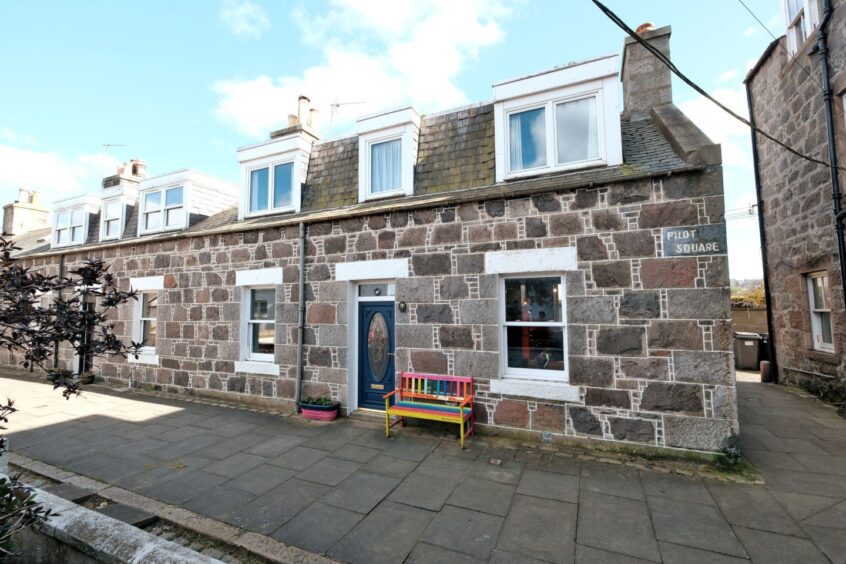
(798, 207)
(649, 336)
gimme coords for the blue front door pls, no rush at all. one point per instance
(375, 353)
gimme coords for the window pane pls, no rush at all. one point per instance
(258, 189)
(149, 304)
(262, 338)
(148, 332)
(61, 236)
(112, 210)
(261, 304)
(62, 220)
(153, 220)
(175, 217)
(282, 180)
(153, 201)
(369, 290)
(793, 7)
(174, 197)
(539, 348)
(385, 166)
(818, 284)
(77, 217)
(76, 234)
(527, 138)
(576, 128)
(533, 299)
(112, 226)
(825, 328)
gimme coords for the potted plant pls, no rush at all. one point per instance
(319, 408)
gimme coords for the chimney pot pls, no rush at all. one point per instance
(292, 120)
(644, 27)
(312, 117)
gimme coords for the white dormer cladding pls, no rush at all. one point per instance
(116, 203)
(272, 174)
(71, 218)
(387, 153)
(561, 119)
(167, 202)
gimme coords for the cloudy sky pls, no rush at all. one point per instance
(86, 85)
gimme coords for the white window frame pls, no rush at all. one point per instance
(270, 164)
(69, 229)
(595, 78)
(149, 284)
(247, 280)
(121, 219)
(402, 124)
(507, 372)
(808, 16)
(162, 190)
(816, 318)
(550, 116)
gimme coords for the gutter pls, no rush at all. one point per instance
(762, 232)
(822, 47)
(301, 312)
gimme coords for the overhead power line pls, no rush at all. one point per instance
(675, 70)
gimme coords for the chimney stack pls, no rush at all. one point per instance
(26, 214)
(312, 117)
(302, 110)
(646, 80)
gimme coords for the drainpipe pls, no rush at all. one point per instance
(822, 47)
(56, 343)
(762, 232)
(301, 317)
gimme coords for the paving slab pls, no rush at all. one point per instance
(298, 458)
(318, 528)
(361, 492)
(540, 528)
(415, 449)
(500, 556)
(270, 511)
(693, 524)
(834, 517)
(482, 495)
(611, 479)
(236, 464)
(69, 492)
(425, 553)
(219, 501)
(271, 448)
(356, 453)
(774, 548)
(617, 525)
(831, 542)
(753, 507)
(390, 466)
(676, 487)
(423, 491)
(386, 535)
(801, 506)
(329, 471)
(590, 555)
(464, 530)
(127, 514)
(444, 466)
(549, 485)
(507, 472)
(678, 554)
(181, 489)
(261, 479)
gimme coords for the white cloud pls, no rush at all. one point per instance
(728, 75)
(720, 126)
(382, 53)
(12, 136)
(750, 31)
(55, 176)
(244, 19)
(775, 21)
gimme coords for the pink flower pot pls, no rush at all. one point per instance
(320, 412)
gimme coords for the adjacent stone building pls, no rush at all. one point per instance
(569, 257)
(801, 251)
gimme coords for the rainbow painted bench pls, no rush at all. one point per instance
(433, 397)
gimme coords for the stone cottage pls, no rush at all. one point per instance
(798, 200)
(568, 256)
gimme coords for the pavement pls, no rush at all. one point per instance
(346, 491)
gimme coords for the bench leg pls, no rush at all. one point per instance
(461, 425)
(387, 419)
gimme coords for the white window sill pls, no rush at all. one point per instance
(272, 211)
(257, 367)
(383, 195)
(165, 230)
(144, 358)
(578, 165)
(62, 245)
(515, 386)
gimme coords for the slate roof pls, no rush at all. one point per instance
(455, 161)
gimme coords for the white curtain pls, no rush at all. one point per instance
(385, 166)
(578, 131)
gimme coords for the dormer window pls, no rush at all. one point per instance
(563, 119)
(273, 173)
(802, 16)
(111, 221)
(162, 210)
(70, 227)
(271, 188)
(71, 220)
(387, 153)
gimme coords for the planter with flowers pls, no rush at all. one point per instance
(319, 408)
